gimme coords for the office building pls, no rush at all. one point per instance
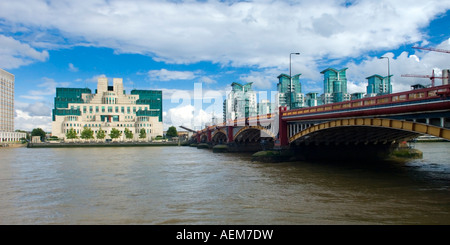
(290, 92)
(335, 86)
(7, 133)
(109, 107)
(378, 85)
(241, 102)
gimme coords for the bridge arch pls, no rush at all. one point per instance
(203, 138)
(219, 136)
(365, 130)
(252, 134)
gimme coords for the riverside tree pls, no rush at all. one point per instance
(128, 133)
(38, 132)
(115, 133)
(71, 134)
(142, 134)
(87, 133)
(101, 134)
(172, 132)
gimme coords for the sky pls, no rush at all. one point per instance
(176, 46)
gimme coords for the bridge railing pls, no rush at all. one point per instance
(401, 97)
(241, 121)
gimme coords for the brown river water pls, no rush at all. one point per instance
(186, 185)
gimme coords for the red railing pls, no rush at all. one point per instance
(412, 95)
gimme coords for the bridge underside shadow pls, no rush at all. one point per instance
(350, 143)
(251, 140)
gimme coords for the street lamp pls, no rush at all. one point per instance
(290, 77)
(389, 71)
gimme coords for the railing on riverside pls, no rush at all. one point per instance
(391, 99)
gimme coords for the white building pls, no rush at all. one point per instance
(241, 102)
(7, 133)
(108, 108)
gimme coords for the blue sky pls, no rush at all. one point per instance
(172, 45)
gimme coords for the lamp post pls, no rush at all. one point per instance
(290, 78)
(389, 71)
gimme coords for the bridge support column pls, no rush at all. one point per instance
(230, 134)
(283, 140)
(208, 133)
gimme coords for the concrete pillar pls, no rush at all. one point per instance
(208, 133)
(230, 134)
(282, 135)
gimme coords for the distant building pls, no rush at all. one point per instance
(7, 133)
(417, 86)
(241, 102)
(335, 86)
(357, 96)
(264, 107)
(312, 99)
(445, 76)
(288, 96)
(378, 85)
(109, 107)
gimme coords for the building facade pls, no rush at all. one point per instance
(334, 86)
(265, 107)
(378, 85)
(7, 133)
(290, 93)
(312, 99)
(241, 102)
(109, 107)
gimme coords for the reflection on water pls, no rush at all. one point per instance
(185, 185)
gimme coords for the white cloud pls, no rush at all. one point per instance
(261, 79)
(207, 80)
(48, 88)
(419, 63)
(260, 33)
(72, 68)
(166, 75)
(33, 115)
(95, 78)
(14, 54)
(186, 115)
(24, 121)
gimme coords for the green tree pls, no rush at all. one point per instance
(87, 133)
(101, 134)
(142, 134)
(172, 132)
(38, 132)
(115, 133)
(71, 134)
(128, 133)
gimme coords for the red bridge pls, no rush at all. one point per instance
(375, 122)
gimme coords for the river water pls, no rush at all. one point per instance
(186, 185)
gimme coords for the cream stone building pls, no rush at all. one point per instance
(109, 107)
(7, 133)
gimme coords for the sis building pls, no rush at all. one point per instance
(109, 107)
